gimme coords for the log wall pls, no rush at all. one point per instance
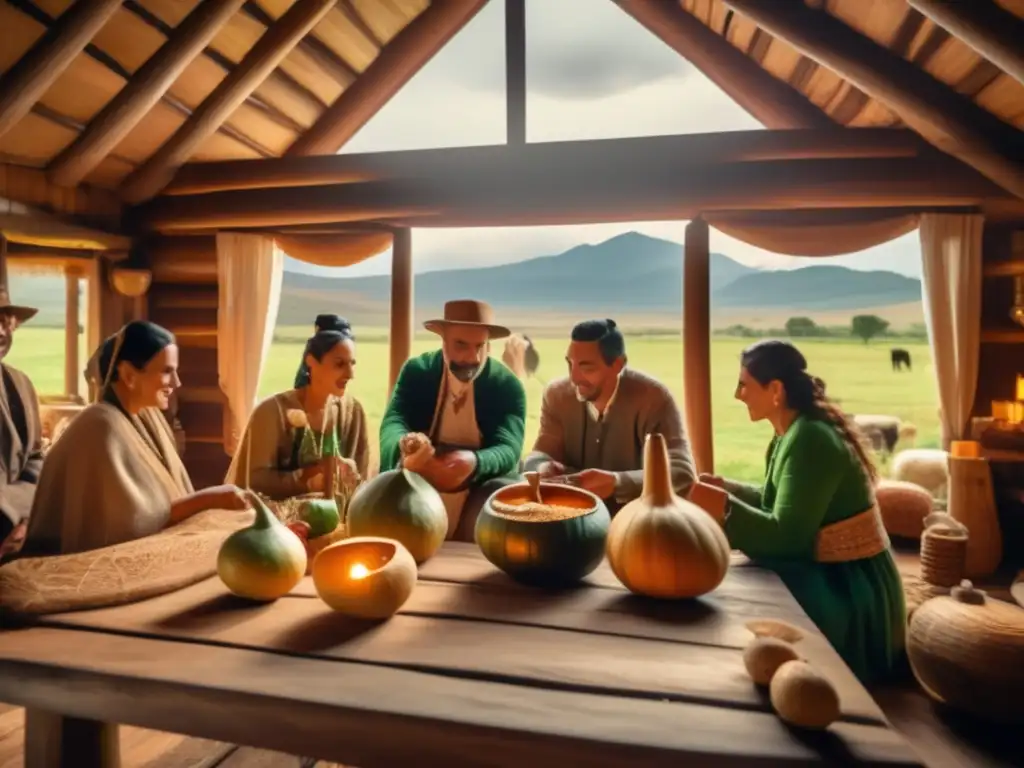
(1002, 359)
(183, 299)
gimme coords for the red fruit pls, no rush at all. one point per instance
(300, 529)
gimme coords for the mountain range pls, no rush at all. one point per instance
(627, 274)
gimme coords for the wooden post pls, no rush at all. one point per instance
(401, 303)
(697, 343)
(72, 372)
(515, 71)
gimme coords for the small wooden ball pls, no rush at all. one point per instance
(366, 577)
(763, 657)
(803, 697)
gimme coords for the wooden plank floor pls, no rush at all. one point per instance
(141, 748)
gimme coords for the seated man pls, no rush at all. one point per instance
(470, 406)
(594, 422)
(20, 431)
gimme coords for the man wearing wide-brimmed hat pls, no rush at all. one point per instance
(470, 407)
(21, 453)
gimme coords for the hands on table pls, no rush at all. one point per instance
(709, 494)
(229, 497)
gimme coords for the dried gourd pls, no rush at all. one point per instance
(661, 545)
(763, 657)
(803, 697)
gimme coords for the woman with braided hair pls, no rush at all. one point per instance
(814, 521)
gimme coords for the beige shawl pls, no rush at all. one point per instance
(264, 454)
(111, 478)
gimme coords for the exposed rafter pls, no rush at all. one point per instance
(990, 30)
(23, 85)
(397, 62)
(515, 71)
(677, 152)
(272, 47)
(950, 121)
(529, 185)
(146, 87)
(771, 102)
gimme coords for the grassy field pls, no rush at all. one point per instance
(858, 374)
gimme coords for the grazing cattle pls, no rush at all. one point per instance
(900, 357)
(883, 432)
(521, 356)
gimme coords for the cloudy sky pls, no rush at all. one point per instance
(607, 78)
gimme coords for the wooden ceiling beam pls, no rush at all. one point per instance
(949, 120)
(772, 102)
(25, 82)
(256, 65)
(617, 187)
(993, 32)
(397, 62)
(40, 229)
(333, 65)
(146, 87)
(678, 152)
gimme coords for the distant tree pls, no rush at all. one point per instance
(868, 326)
(801, 326)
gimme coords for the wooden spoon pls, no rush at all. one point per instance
(533, 478)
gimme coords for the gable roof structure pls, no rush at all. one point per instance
(121, 95)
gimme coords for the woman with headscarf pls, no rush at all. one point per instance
(115, 475)
(289, 434)
(815, 521)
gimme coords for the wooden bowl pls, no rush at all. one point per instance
(553, 545)
(365, 577)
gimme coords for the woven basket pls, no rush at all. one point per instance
(904, 506)
(943, 550)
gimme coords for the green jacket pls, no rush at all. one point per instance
(813, 479)
(500, 412)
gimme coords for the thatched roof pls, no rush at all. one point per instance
(273, 78)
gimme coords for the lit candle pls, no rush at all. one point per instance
(965, 449)
(358, 571)
(1020, 387)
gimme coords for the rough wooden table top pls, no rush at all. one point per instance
(475, 670)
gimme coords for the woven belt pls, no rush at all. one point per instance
(855, 538)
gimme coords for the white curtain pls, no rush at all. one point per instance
(951, 267)
(249, 274)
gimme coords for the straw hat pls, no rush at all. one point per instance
(21, 313)
(468, 312)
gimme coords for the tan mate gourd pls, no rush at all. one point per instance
(662, 545)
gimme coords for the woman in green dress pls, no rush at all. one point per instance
(290, 433)
(814, 521)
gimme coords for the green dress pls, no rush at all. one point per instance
(814, 479)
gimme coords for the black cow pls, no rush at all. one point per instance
(900, 357)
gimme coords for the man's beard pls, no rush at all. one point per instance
(465, 372)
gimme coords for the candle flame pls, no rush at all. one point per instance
(359, 571)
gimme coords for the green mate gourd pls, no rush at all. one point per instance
(264, 561)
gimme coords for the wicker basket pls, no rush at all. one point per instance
(943, 550)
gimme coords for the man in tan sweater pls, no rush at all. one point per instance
(594, 422)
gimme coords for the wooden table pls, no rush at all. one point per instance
(475, 670)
